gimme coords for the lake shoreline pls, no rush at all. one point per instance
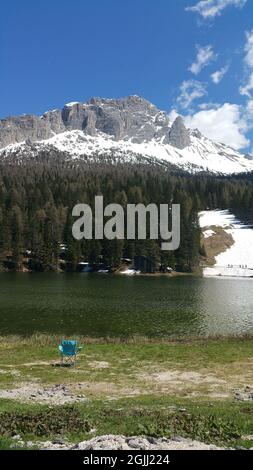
(44, 339)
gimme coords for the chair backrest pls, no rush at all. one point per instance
(69, 348)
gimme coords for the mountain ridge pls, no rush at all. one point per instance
(128, 129)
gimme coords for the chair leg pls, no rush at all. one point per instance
(68, 359)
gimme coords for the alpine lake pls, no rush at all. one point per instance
(99, 305)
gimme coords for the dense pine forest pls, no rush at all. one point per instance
(36, 201)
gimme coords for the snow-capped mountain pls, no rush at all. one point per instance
(130, 130)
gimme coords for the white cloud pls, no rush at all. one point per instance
(249, 108)
(219, 74)
(249, 114)
(190, 90)
(209, 105)
(204, 56)
(173, 115)
(212, 8)
(249, 49)
(227, 124)
(247, 89)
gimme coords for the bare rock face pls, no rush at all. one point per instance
(179, 136)
(17, 129)
(132, 118)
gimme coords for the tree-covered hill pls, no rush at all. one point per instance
(36, 201)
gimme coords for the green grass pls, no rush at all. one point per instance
(128, 364)
(5, 444)
(130, 368)
(223, 424)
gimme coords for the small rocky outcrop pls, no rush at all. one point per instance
(179, 135)
(244, 395)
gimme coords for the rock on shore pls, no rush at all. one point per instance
(114, 442)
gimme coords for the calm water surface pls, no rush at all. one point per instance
(104, 305)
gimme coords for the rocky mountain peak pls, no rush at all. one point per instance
(129, 119)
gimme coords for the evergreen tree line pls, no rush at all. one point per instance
(36, 201)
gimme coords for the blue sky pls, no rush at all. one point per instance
(53, 52)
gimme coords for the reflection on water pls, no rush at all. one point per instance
(227, 306)
(100, 305)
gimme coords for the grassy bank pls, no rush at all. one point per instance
(205, 367)
(134, 387)
(223, 423)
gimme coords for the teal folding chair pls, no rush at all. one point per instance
(68, 350)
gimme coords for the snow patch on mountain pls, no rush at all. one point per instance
(201, 155)
(236, 261)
